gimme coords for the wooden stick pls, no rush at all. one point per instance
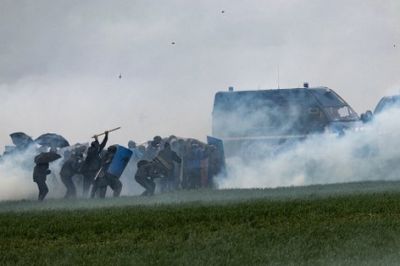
(111, 130)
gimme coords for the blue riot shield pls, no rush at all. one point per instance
(219, 145)
(119, 161)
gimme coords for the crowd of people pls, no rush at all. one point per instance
(161, 164)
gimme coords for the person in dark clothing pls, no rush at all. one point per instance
(161, 166)
(40, 172)
(166, 159)
(145, 175)
(193, 164)
(92, 162)
(214, 164)
(70, 168)
(105, 179)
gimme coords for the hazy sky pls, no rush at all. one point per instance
(60, 60)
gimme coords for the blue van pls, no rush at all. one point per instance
(278, 116)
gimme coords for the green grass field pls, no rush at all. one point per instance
(348, 224)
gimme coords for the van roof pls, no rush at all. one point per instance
(322, 96)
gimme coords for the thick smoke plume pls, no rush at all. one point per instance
(16, 176)
(369, 153)
(16, 180)
(60, 64)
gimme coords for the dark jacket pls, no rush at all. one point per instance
(93, 160)
(166, 158)
(40, 172)
(70, 167)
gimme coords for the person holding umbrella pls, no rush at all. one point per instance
(41, 171)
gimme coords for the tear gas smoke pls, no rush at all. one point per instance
(16, 180)
(370, 153)
(60, 65)
(16, 176)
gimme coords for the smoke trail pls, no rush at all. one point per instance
(369, 154)
(16, 176)
(16, 180)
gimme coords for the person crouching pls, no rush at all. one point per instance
(160, 167)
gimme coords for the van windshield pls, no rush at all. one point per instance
(327, 97)
(342, 113)
(335, 107)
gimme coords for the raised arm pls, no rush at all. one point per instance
(104, 142)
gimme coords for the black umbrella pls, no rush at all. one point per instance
(47, 157)
(52, 140)
(20, 139)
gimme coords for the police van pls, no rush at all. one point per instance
(279, 116)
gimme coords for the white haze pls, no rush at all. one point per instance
(16, 178)
(60, 62)
(16, 181)
(369, 154)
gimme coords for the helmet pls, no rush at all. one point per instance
(157, 139)
(131, 144)
(112, 148)
(94, 144)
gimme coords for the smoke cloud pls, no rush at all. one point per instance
(16, 177)
(370, 153)
(60, 64)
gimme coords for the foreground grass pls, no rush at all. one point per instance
(339, 229)
(207, 196)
